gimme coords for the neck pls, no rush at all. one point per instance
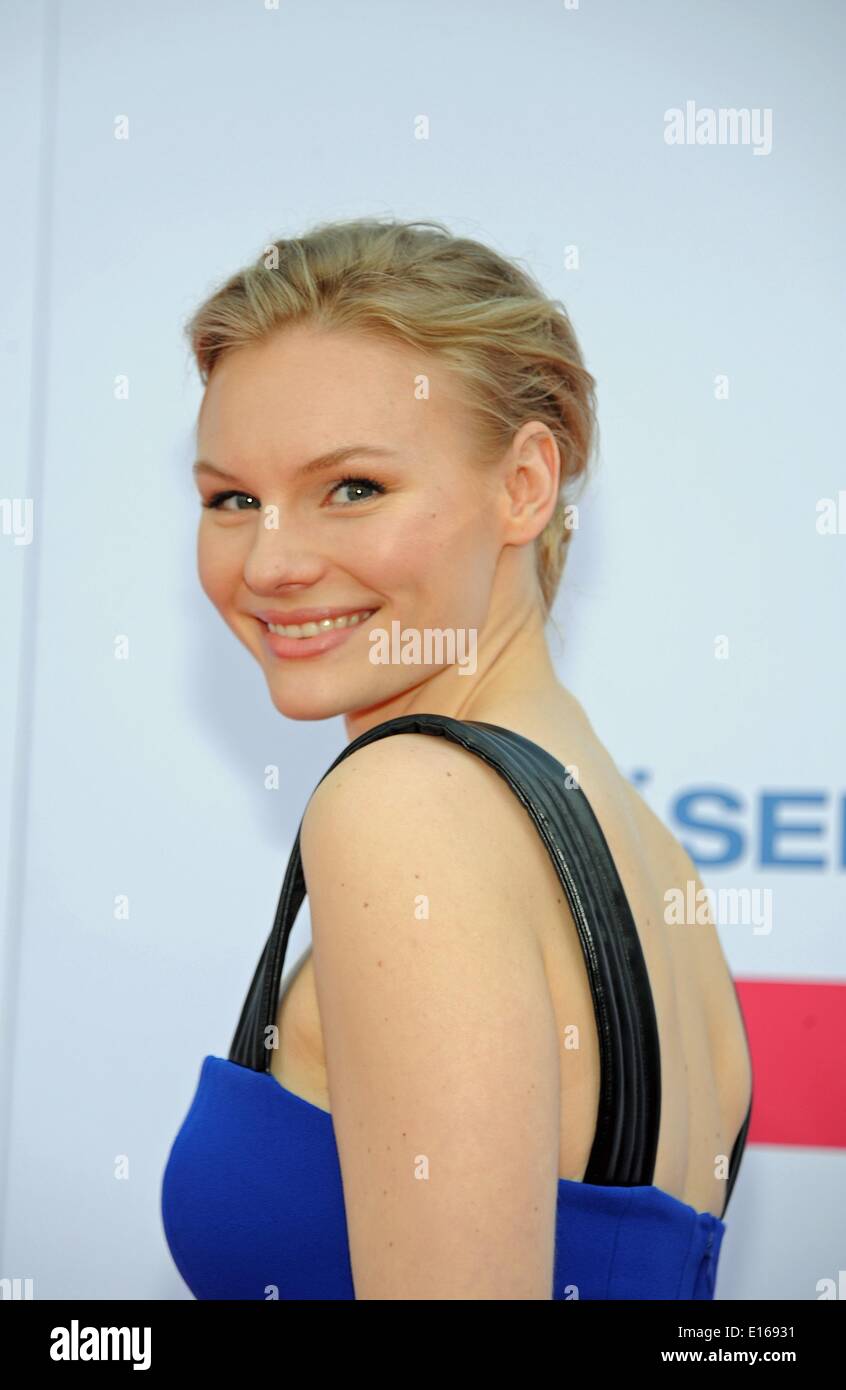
(512, 665)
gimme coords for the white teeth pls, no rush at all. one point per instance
(325, 625)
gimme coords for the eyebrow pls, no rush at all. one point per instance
(315, 465)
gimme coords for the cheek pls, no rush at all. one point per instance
(391, 558)
(459, 539)
(449, 555)
(219, 565)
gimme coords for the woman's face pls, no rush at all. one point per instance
(414, 538)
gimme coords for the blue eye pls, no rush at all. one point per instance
(216, 502)
(358, 484)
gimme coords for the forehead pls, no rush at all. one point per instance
(306, 389)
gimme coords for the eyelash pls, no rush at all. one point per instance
(351, 478)
(219, 497)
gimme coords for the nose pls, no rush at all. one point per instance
(277, 557)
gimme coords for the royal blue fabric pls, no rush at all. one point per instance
(253, 1208)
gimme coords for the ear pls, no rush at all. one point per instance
(532, 480)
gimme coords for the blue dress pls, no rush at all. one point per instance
(252, 1197)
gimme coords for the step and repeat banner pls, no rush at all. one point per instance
(671, 173)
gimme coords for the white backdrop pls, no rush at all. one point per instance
(696, 263)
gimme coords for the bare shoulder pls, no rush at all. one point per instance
(405, 759)
(418, 785)
(440, 1040)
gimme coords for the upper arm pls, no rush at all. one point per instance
(438, 1030)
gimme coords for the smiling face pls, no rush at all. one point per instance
(416, 536)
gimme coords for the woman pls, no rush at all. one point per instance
(503, 1071)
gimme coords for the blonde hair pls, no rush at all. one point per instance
(484, 317)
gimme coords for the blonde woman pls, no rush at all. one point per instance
(498, 1073)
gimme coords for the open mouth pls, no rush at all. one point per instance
(302, 631)
(288, 641)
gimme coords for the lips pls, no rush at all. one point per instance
(321, 640)
(309, 615)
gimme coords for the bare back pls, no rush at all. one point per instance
(705, 1067)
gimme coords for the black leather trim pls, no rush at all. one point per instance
(740, 1142)
(736, 1156)
(629, 1111)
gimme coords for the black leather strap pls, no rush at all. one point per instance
(629, 1113)
(737, 1154)
(740, 1141)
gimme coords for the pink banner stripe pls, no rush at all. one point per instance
(797, 1033)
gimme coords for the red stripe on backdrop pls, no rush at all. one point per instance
(797, 1034)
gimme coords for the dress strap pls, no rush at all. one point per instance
(740, 1142)
(626, 1138)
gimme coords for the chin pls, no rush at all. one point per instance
(306, 700)
(311, 696)
(304, 707)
